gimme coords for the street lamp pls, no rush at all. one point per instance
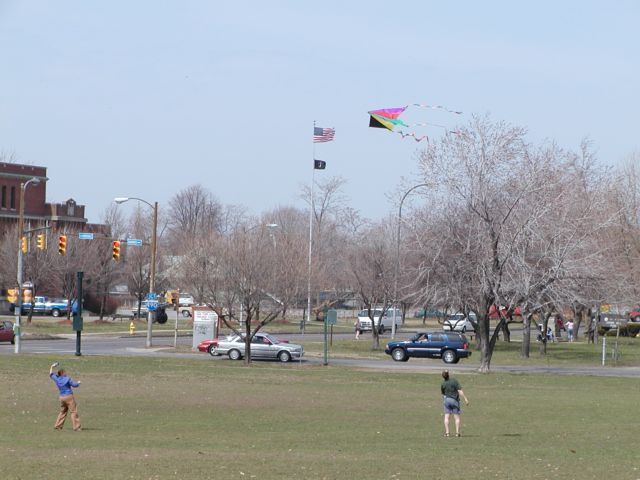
(397, 266)
(152, 277)
(18, 312)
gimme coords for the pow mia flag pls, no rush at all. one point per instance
(319, 165)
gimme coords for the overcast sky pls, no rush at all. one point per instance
(144, 98)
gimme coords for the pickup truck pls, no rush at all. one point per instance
(46, 306)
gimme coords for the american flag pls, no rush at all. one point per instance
(323, 134)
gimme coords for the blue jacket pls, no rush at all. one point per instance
(64, 384)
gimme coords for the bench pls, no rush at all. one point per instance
(122, 316)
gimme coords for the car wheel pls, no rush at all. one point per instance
(449, 356)
(13, 340)
(212, 351)
(284, 357)
(234, 354)
(186, 314)
(637, 319)
(55, 312)
(399, 355)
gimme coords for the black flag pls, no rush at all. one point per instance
(319, 165)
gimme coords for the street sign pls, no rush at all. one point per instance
(332, 316)
(134, 242)
(152, 296)
(152, 305)
(85, 236)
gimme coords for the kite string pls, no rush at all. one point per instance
(437, 107)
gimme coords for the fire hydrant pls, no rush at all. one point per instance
(132, 328)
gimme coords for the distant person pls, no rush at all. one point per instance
(357, 326)
(67, 400)
(550, 336)
(451, 391)
(570, 330)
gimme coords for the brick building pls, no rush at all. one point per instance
(61, 217)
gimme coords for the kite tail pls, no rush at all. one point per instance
(417, 139)
(436, 107)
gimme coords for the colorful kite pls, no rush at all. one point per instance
(388, 118)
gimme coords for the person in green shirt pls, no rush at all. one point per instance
(451, 391)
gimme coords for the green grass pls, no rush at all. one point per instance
(169, 418)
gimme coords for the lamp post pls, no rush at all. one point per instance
(18, 308)
(152, 277)
(397, 266)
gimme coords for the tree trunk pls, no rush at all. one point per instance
(482, 336)
(526, 336)
(506, 332)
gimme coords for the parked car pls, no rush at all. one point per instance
(6, 332)
(634, 315)
(186, 300)
(364, 322)
(45, 306)
(459, 322)
(612, 320)
(450, 346)
(263, 345)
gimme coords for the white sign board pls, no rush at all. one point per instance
(205, 325)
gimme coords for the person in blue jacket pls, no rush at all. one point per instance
(67, 400)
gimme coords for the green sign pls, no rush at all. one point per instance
(332, 316)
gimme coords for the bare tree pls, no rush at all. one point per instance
(371, 263)
(510, 208)
(194, 211)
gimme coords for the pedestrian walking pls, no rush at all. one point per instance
(67, 400)
(451, 392)
(570, 330)
(357, 326)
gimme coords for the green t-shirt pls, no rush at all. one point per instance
(449, 388)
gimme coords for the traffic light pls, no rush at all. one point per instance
(12, 295)
(116, 250)
(62, 244)
(24, 245)
(27, 295)
(41, 241)
(173, 298)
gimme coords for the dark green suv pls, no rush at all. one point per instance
(450, 346)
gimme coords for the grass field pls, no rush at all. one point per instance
(163, 418)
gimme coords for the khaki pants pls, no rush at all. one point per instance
(68, 404)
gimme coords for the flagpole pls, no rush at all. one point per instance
(311, 211)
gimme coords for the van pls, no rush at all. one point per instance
(364, 322)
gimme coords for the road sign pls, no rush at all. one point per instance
(85, 236)
(134, 242)
(152, 296)
(332, 316)
(152, 305)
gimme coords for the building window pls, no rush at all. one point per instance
(13, 197)
(4, 196)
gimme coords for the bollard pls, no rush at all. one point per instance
(132, 328)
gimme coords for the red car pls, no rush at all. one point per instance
(208, 346)
(6, 332)
(634, 314)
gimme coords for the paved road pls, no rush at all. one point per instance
(125, 345)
